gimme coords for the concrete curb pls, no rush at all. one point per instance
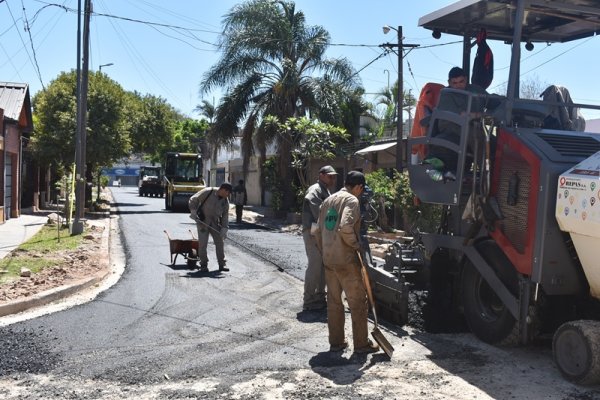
(59, 293)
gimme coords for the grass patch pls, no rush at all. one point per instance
(43, 250)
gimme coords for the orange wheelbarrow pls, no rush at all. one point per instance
(188, 248)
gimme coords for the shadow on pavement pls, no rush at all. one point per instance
(210, 274)
(310, 316)
(351, 368)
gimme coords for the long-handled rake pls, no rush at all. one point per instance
(376, 333)
(279, 267)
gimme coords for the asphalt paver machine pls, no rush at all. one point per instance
(150, 181)
(517, 252)
(182, 178)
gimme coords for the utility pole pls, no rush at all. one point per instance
(82, 88)
(400, 151)
(400, 101)
(410, 123)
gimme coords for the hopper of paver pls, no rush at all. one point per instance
(578, 212)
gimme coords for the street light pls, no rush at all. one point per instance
(399, 96)
(104, 65)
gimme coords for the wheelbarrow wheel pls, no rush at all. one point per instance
(191, 263)
(192, 258)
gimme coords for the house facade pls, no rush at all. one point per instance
(16, 125)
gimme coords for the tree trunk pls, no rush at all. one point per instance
(286, 174)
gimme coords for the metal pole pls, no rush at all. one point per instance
(82, 83)
(512, 92)
(410, 123)
(399, 119)
(77, 226)
(84, 93)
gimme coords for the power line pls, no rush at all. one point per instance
(24, 45)
(386, 52)
(36, 65)
(353, 45)
(134, 53)
(189, 30)
(10, 60)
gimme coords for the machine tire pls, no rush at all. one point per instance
(167, 202)
(576, 351)
(441, 312)
(486, 315)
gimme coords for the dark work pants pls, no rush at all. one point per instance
(238, 213)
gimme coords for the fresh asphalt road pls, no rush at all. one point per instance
(165, 332)
(161, 320)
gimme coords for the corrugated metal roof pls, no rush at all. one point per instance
(14, 98)
(544, 21)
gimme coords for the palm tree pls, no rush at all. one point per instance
(387, 97)
(207, 110)
(273, 63)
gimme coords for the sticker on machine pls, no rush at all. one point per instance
(586, 172)
(572, 183)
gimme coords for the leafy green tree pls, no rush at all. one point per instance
(273, 63)
(153, 125)
(55, 108)
(189, 134)
(393, 189)
(312, 139)
(107, 135)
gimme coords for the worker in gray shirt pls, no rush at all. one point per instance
(210, 209)
(314, 280)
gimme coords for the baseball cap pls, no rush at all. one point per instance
(355, 178)
(227, 186)
(327, 169)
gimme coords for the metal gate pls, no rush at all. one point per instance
(7, 185)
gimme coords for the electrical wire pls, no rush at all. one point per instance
(25, 46)
(27, 28)
(149, 23)
(132, 52)
(386, 52)
(9, 59)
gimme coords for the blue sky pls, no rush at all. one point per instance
(168, 62)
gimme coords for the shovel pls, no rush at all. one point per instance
(376, 333)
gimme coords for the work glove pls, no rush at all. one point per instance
(224, 233)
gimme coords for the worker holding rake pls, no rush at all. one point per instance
(337, 238)
(210, 209)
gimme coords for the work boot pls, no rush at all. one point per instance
(223, 268)
(338, 347)
(203, 268)
(369, 348)
(318, 306)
